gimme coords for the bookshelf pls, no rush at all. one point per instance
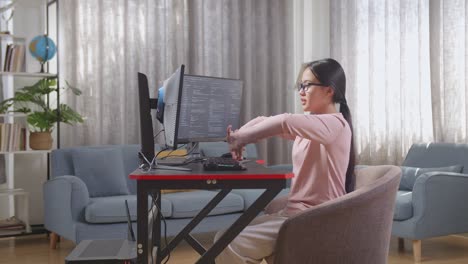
(15, 201)
(12, 226)
(13, 37)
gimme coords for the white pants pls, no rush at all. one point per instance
(255, 243)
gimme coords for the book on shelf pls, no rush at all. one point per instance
(11, 223)
(3, 173)
(13, 227)
(15, 58)
(12, 137)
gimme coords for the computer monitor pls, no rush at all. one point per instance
(191, 108)
(198, 108)
(171, 103)
(208, 106)
(147, 152)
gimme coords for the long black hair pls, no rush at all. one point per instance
(329, 72)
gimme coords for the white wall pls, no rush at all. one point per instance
(311, 34)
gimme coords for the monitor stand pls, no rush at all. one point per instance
(165, 167)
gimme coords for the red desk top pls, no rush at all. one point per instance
(254, 172)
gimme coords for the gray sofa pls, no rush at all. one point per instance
(432, 202)
(85, 197)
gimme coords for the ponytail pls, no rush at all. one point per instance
(329, 72)
(350, 177)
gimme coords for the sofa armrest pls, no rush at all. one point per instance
(65, 199)
(439, 204)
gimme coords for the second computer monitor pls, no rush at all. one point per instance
(207, 106)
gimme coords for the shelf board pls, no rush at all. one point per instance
(28, 74)
(12, 191)
(7, 233)
(13, 115)
(12, 37)
(25, 152)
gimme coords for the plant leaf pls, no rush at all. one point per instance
(43, 121)
(74, 90)
(45, 118)
(68, 115)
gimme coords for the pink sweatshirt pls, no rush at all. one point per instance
(320, 154)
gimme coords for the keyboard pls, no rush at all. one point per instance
(222, 164)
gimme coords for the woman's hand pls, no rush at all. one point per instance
(234, 145)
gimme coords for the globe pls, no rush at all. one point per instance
(43, 49)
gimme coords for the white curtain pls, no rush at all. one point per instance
(311, 35)
(384, 48)
(449, 69)
(104, 43)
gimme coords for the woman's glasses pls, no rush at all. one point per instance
(306, 85)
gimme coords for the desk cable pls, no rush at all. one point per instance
(148, 165)
(157, 134)
(165, 228)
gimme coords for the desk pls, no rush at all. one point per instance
(255, 177)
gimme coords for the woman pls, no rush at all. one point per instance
(323, 157)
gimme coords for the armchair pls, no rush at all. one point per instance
(354, 228)
(436, 206)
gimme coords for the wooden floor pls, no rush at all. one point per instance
(35, 249)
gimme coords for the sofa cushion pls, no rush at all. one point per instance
(410, 174)
(403, 206)
(111, 209)
(188, 204)
(131, 163)
(430, 154)
(101, 170)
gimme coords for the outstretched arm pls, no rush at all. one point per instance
(237, 152)
(253, 122)
(320, 128)
(259, 120)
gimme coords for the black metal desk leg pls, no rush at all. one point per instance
(185, 232)
(156, 242)
(142, 223)
(239, 225)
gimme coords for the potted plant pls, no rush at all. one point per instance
(41, 117)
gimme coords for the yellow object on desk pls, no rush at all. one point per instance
(171, 153)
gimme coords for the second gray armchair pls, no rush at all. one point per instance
(437, 204)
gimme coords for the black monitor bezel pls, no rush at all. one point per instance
(146, 122)
(179, 97)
